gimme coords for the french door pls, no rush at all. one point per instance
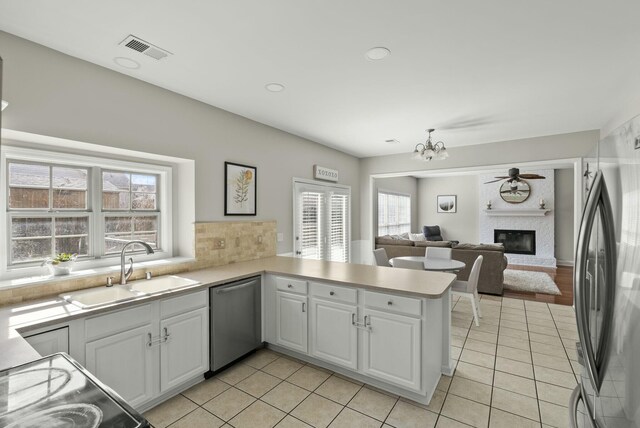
(322, 221)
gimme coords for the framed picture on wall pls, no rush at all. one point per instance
(447, 203)
(240, 189)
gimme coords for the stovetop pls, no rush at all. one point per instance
(56, 391)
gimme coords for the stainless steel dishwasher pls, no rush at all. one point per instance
(236, 326)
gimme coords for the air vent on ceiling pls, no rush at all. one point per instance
(139, 45)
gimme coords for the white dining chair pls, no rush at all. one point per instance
(469, 289)
(408, 264)
(381, 258)
(438, 253)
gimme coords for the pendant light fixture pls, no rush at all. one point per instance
(428, 150)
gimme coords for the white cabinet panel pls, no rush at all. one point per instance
(50, 342)
(291, 326)
(126, 363)
(392, 348)
(185, 352)
(334, 338)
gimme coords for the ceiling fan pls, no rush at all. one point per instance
(515, 176)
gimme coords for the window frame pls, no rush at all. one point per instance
(95, 165)
(396, 193)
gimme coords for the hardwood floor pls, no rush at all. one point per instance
(562, 276)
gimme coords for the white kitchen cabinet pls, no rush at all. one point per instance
(184, 350)
(392, 348)
(50, 342)
(334, 338)
(125, 361)
(291, 321)
(146, 350)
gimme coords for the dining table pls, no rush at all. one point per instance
(435, 263)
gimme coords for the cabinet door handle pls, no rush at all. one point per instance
(356, 324)
(289, 285)
(390, 302)
(367, 321)
(331, 293)
(151, 341)
(304, 307)
(166, 335)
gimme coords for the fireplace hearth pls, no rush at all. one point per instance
(516, 241)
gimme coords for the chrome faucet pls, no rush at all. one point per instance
(125, 275)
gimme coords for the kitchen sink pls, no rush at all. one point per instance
(161, 284)
(101, 296)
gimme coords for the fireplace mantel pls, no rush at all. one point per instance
(517, 213)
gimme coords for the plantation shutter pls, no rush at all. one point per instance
(339, 227)
(311, 206)
(322, 222)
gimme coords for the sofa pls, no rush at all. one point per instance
(493, 264)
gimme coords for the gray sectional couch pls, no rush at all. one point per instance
(493, 265)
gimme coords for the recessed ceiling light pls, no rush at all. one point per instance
(376, 54)
(127, 63)
(274, 87)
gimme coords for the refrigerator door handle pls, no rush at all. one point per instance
(595, 358)
(576, 396)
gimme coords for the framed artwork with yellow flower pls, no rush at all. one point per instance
(240, 189)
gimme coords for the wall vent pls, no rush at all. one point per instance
(139, 45)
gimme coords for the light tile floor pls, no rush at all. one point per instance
(517, 369)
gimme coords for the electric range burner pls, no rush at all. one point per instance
(56, 391)
(64, 416)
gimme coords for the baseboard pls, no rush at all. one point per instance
(548, 269)
(565, 263)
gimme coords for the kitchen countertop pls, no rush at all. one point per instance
(14, 350)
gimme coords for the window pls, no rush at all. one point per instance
(81, 205)
(322, 221)
(129, 201)
(49, 211)
(394, 213)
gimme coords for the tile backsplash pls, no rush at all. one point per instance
(216, 243)
(224, 242)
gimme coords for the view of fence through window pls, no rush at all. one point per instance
(50, 211)
(130, 192)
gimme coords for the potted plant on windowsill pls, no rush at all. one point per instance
(61, 264)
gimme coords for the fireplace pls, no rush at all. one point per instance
(516, 241)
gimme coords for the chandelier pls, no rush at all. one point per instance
(427, 151)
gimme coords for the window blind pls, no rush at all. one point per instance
(394, 213)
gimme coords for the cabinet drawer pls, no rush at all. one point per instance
(184, 303)
(291, 285)
(332, 292)
(115, 322)
(392, 303)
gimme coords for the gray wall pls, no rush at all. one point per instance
(563, 216)
(563, 146)
(407, 185)
(459, 226)
(54, 94)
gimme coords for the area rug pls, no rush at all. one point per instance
(529, 281)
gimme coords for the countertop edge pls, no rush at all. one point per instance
(16, 350)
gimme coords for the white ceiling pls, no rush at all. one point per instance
(478, 71)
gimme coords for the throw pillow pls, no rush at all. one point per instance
(432, 233)
(417, 237)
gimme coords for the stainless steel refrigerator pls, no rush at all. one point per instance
(607, 285)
